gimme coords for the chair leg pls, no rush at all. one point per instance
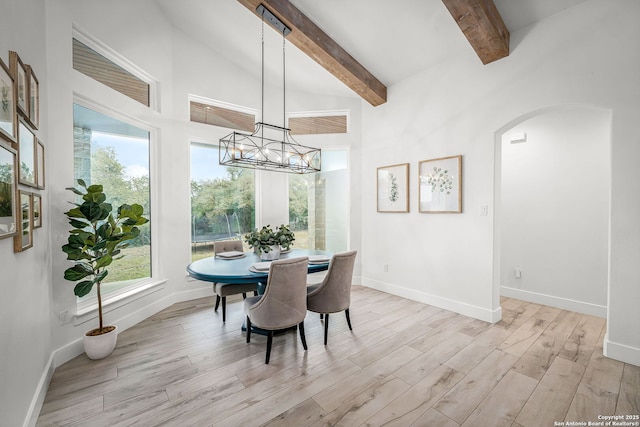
(302, 337)
(224, 309)
(321, 316)
(248, 329)
(326, 328)
(217, 303)
(255, 293)
(244, 295)
(269, 341)
(346, 312)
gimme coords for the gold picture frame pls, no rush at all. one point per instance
(392, 188)
(33, 98)
(24, 239)
(8, 116)
(19, 72)
(8, 192)
(27, 172)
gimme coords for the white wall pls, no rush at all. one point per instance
(585, 55)
(24, 277)
(554, 209)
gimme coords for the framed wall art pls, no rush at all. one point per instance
(26, 155)
(393, 188)
(19, 71)
(440, 183)
(24, 239)
(8, 203)
(8, 117)
(34, 98)
(40, 164)
(37, 211)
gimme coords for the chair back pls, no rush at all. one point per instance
(284, 302)
(227, 246)
(334, 293)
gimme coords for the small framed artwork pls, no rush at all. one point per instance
(37, 211)
(19, 71)
(24, 239)
(8, 117)
(8, 193)
(440, 185)
(40, 164)
(34, 98)
(393, 188)
(26, 155)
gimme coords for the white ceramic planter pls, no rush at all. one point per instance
(274, 253)
(100, 346)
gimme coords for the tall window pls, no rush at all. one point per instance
(222, 201)
(318, 205)
(115, 154)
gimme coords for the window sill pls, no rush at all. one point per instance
(90, 312)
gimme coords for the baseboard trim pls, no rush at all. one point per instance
(474, 311)
(553, 301)
(41, 391)
(621, 352)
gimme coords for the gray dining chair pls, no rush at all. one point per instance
(284, 302)
(223, 290)
(333, 294)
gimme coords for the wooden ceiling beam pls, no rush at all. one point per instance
(314, 42)
(482, 25)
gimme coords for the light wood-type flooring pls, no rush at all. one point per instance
(404, 364)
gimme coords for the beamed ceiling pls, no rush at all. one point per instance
(358, 47)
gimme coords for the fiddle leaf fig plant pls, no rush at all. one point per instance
(97, 238)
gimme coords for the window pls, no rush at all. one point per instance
(91, 63)
(115, 154)
(222, 201)
(318, 205)
(318, 123)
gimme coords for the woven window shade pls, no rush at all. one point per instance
(96, 66)
(317, 125)
(218, 116)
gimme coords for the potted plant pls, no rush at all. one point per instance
(94, 243)
(268, 243)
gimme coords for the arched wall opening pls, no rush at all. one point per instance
(552, 208)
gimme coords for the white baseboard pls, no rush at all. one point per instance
(41, 391)
(476, 312)
(621, 352)
(553, 301)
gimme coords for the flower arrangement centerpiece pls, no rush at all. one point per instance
(268, 243)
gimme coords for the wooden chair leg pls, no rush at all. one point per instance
(346, 312)
(244, 295)
(224, 309)
(255, 293)
(248, 329)
(321, 316)
(217, 303)
(326, 328)
(302, 337)
(269, 341)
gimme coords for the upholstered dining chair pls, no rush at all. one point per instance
(223, 290)
(333, 294)
(284, 302)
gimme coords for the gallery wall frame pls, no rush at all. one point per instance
(37, 211)
(8, 192)
(392, 188)
(8, 115)
(40, 165)
(26, 155)
(24, 239)
(19, 72)
(440, 185)
(33, 97)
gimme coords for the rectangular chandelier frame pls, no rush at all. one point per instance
(257, 151)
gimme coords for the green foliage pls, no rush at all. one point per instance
(440, 181)
(393, 194)
(263, 239)
(97, 237)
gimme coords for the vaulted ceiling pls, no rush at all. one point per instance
(391, 39)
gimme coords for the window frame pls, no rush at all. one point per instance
(86, 307)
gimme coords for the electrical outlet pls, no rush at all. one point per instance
(484, 210)
(386, 268)
(518, 272)
(64, 317)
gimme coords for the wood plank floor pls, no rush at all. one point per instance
(404, 364)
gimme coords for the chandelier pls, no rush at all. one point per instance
(269, 147)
